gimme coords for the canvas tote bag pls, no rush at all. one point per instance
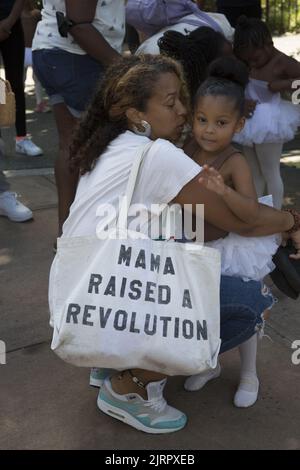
(135, 303)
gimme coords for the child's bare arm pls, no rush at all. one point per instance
(242, 200)
(290, 73)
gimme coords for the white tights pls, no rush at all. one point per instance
(264, 161)
(246, 394)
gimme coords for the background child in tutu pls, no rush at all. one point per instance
(274, 120)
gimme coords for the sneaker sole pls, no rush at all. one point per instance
(28, 154)
(126, 418)
(15, 219)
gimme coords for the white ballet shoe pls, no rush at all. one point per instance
(246, 394)
(196, 382)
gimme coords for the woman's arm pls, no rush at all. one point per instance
(268, 222)
(8, 23)
(88, 38)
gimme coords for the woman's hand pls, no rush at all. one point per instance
(249, 109)
(211, 179)
(4, 30)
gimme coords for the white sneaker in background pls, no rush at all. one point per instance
(13, 209)
(27, 147)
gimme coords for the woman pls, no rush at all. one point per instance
(70, 66)
(144, 97)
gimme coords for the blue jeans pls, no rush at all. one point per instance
(67, 78)
(242, 304)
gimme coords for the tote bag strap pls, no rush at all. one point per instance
(127, 198)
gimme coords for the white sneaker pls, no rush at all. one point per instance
(27, 147)
(196, 382)
(98, 375)
(13, 209)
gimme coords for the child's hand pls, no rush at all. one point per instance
(212, 180)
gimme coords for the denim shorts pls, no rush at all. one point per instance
(67, 78)
(242, 306)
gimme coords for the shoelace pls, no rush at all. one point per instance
(158, 404)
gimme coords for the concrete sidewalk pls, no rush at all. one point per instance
(47, 404)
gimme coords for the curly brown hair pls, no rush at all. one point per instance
(128, 83)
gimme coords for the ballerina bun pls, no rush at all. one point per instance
(229, 68)
(243, 22)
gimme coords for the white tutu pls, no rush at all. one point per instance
(274, 119)
(245, 257)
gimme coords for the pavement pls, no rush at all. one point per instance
(47, 404)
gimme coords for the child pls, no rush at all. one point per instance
(275, 120)
(218, 115)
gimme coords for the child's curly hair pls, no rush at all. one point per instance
(128, 83)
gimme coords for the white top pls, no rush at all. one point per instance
(163, 173)
(150, 45)
(109, 20)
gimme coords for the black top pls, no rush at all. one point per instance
(5, 8)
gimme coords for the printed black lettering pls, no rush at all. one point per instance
(187, 329)
(104, 316)
(111, 287)
(176, 328)
(123, 287)
(132, 328)
(169, 268)
(201, 330)
(141, 260)
(147, 329)
(95, 281)
(73, 311)
(155, 262)
(186, 302)
(150, 291)
(120, 315)
(164, 294)
(87, 315)
(136, 292)
(124, 255)
(165, 321)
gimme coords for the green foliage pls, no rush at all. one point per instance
(281, 15)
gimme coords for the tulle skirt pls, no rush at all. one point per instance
(245, 257)
(271, 123)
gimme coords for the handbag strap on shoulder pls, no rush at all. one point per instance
(127, 198)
